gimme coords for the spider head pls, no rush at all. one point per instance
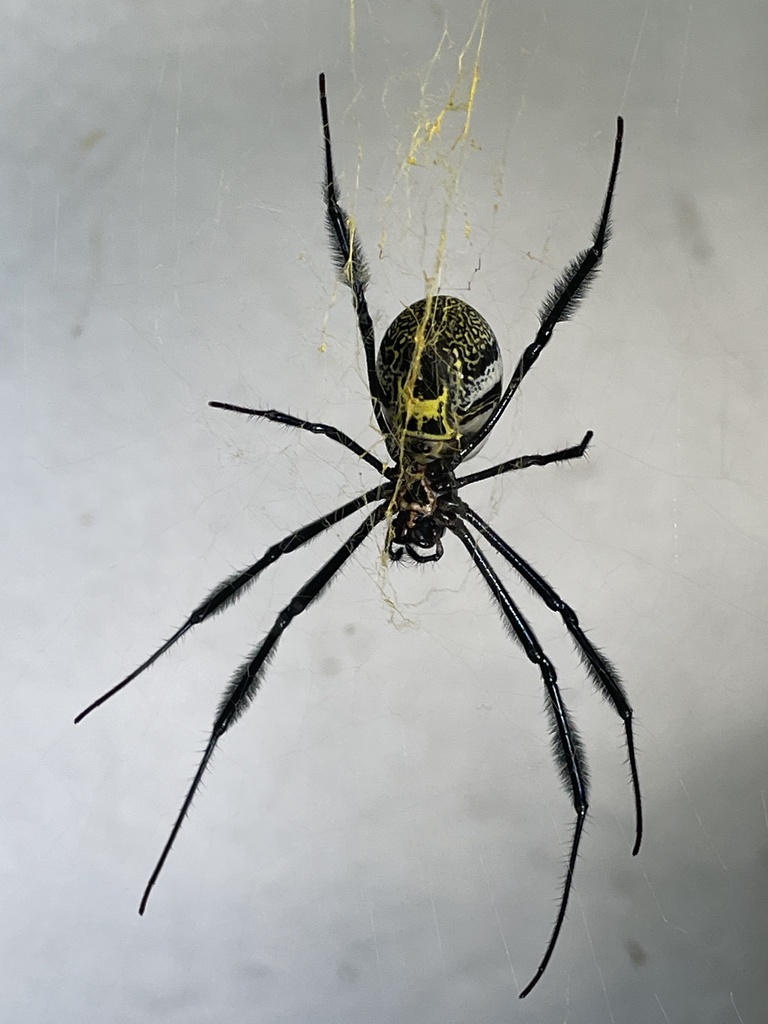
(418, 525)
(416, 535)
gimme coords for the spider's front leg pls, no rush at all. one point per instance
(245, 683)
(569, 754)
(600, 670)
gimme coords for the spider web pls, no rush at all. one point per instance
(423, 198)
(379, 839)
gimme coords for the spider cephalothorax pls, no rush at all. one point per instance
(436, 392)
(421, 507)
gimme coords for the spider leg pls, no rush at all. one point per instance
(314, 428)
(600, 670)
(350, 263)
(567, 747)
(246, 681)
(232, 587)
(524, 461)
(564, 298)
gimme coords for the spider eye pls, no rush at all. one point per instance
(426, 532)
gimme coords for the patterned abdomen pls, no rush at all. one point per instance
(439, 367)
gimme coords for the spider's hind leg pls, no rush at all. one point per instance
(570, 288)
(350, 263)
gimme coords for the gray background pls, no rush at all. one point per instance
(382, 837)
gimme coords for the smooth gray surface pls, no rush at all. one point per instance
(380, 839)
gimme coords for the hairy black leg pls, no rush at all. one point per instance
(246, 681)
(524, 461)
(600, 670)
(231, 588)
(568, 751)
(314, 428)
(350, 263)
(562, 301)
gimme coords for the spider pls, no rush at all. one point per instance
(436, 393)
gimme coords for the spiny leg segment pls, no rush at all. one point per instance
(600, 670)
(564, 298)
(350, 263)
(567, 747)
(246, 681)
(230, 589)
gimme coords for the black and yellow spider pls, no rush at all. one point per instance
(436, 391)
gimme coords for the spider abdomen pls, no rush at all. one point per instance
(439, 368)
